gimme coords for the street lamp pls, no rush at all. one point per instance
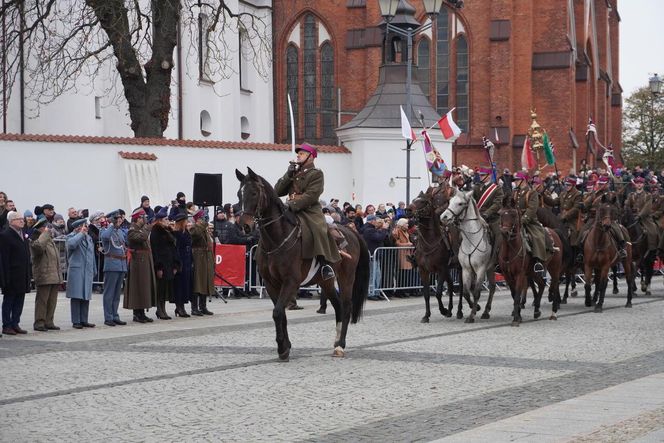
(656, 85)
(388, 9)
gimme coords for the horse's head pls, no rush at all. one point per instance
(440, 198)
(510, 222)
(421, 207)
(603, 215)
(252, 196)
(457, 206)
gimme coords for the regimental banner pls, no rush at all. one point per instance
(230, 264)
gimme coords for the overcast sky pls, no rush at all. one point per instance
(641, 42)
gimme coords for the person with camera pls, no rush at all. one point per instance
(114, 248)
(81, 271)
(46, 272)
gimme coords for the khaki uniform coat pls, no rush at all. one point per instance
(304, 190)
(140, 287)
(641, 204)
(570, 213)
(490, 210)
(202, 247)
(45, 260)
(527, 200)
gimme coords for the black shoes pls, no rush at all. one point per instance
(139, 319)
(120, 322)
(205, 311)
(40, 328)
(19, 330)
(321, 310)
(196, 312)
(85, 324)
(163, 316)
(77, 326)
(53, 328)
(109, 323)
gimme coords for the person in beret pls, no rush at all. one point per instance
(204, 261)
(303, 183)
(166, 262)
(140, 289)
(15, 253)
(182, 281)
(46, 273)
(80, 273)
(640, 203)
(114, 248)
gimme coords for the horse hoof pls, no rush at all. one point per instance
(563, 301)
(285, 356)
(553, 317)
(448, 314)
(644, 288)
(470, 320)
(648, 293)
(538, 314)
(629, 304)
(338, 352)
(459, 315)
(486, 316)
(589, 303)
(424, 320)
(523, 306)
(574, 293)
(598, 309)
(445, 313)
(615, 291)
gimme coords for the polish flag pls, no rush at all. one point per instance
(528, 161)
(448, 127)
(406, 130)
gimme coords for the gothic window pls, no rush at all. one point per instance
(292, 68)
(327, 94)
(462, 82)
(424, 65)
(442, 61)
(310, 47)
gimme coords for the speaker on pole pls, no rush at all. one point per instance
(207, 190)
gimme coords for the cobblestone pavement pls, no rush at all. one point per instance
(586, 377)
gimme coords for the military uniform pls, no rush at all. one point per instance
(304, 189)
(489, 198)
(569, 202)
(527, 200)
(640, 203)
(591, 203)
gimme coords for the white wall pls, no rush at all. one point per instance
(92, 176)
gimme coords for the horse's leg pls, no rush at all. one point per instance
(649, 270)
(521, 286)
(475, 289)
(603, 282)
(554, 291)
(450, 293)
(568, 276)
(629, 276)
(439, 292)
(462, 289)
(285, 293)
(467, 279)
(538, 290)
(343, 319)
(588, 275)
(598, 286)
(614, 278)
(425, 276)
(491, 274)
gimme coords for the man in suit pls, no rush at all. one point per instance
(15, 251)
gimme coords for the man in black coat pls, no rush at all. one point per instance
(15, 252)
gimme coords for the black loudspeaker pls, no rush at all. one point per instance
(207, 190)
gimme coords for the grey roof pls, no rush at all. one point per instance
(382, 109)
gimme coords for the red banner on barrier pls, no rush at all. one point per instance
(230, 264)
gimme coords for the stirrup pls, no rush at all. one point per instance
(622, 253)
(327, 272)
(538, 267)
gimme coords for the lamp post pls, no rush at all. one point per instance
(388, 9)
(655, 83)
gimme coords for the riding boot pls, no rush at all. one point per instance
(622, 252)
(326, 270)
(194, 306)
(202, 305)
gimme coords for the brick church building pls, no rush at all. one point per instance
(492, 61)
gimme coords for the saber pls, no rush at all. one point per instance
(292, 124)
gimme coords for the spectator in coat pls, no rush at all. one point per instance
(3, 210)
(402, 239)
(72, 216)
(182, 281)
(140, 289)
(58, 227)
(145, 205)
(203, 254)
(374, 235)
(46, 272)
(15, 252)
(166, 263)
(114, 247)
(80, 274)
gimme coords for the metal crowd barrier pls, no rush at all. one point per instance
(98, 279)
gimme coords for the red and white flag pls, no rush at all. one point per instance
(448, 127)
(406, 130)
(528, 156)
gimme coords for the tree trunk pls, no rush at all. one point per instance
(148, 96)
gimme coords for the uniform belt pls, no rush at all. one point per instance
(119, 257)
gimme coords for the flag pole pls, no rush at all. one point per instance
(292, 123)
(421, 119)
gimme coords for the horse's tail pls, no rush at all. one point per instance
(361, 283)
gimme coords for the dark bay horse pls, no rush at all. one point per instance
(431, 252)
(516, 264)
(569, 265)
(600, 253)
(644, 258)
(283, 269)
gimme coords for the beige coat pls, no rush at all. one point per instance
(45, 260)
(202, 247)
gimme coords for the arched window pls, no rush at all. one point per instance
(461, 101)
(291, 87)
(424, 65)
(327, 94)
(310, 47)
(442, 61)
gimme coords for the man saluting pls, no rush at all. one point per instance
(304, 184)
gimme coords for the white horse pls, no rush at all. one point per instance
(475, 254)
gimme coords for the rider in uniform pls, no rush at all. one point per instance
(527, 200)
(304, 183)
(489, 198)
(591, 203)
(640, 203)
(570, 201)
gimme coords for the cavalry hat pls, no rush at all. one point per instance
(590, 183)
(79, 222)
(163, 213)
(308, 148)
(40, 223)
(571, 180)
(603, 179)
(199, 214)
(484, 171)
(138, 213)
(521, 176)
(639, 180)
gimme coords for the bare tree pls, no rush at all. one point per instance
(63, 45)
(643, 133)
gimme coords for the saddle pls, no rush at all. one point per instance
(339, 239)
